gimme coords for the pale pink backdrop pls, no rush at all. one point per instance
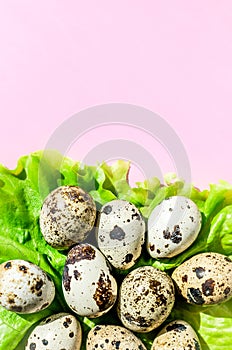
(172, 57)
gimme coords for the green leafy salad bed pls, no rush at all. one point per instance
(22, 192)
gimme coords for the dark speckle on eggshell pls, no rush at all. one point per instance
(208, 287)
(103, 294)
(16, 308)
(66, 278)
(39, 284)
(11, 297)
(185, 278)
(166, 234)
(7, 265)
(128, 258)
(117, 233)
(227, 259)
(197, 345)
(77, 274)
(195, 296)
(200, 272)
(136, 216)
(140, 321)
(178, 327)
(227, 290)
(107, 209)
(176, 236)
(67, 322)
(23, 268)
(80, 252)
(152, 247)
(44, 306)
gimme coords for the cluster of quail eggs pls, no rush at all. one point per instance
(146, 295)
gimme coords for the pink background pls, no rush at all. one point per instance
(172, 57)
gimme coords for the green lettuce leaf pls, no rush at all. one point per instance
(22, 192)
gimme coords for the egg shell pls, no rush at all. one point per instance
(110, 337)
(146, 298)
(205, 279)
(67, 216)
(177, 335)
(173, 226)
(59, 331)
(24, 287)
(121, 231)
(88, 286)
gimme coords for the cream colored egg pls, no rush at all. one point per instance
(177, 335)
(59, 331)
(67, 216)
(25, 287)
(173, 226)
(146, 298)
(205, 279)
(88, 286)
(121, 231)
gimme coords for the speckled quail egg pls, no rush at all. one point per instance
(146, 298)
(177, 335)
(120, 233)
(67, 216)
(205, 279)
(60, 331)
(109, 337)
(173, 226)
(24, 287)
(88, 286)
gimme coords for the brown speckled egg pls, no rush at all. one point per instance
(205, 279)
(24, 287)
(177, 335)
(88, 286)
(109, 337)
(60, 331)
(67, 216)
(121, 232)
(146, 298)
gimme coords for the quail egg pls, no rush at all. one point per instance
(173, 226)
(205, 279)
(109, 337)
(24, 287)
(67, 216)
(177, 335)
(60, 331)
(88, 286)
(121, 231)
(146, 298)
